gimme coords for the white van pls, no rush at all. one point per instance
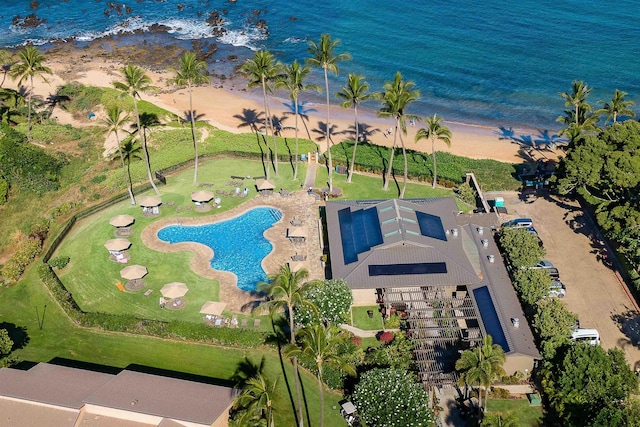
(588, 336)
(519, 223)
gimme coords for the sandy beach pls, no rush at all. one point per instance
(222, 103)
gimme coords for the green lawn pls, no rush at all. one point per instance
(530, 416)
(362, 320)
(59, 338)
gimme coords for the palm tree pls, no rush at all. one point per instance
(323, 56)
(353, 94)
(618, 106)
(6, 62)
(114, 122)
(29, 65)
(135, 81)
(286, 292)
(320, 344)
(481, 365)
(292, 80)
(257, 395)
(577, 99)
(130, 151)
(395, 98)
(191, 72)
(261, 70)
(434, 130)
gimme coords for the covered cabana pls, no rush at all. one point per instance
(201, 199)
(174, 290)
(134, 275)
(122, 224)
(116, 248)
(151, 205)
(264, 186)
(213, 312)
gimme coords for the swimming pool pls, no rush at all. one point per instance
(238, 244)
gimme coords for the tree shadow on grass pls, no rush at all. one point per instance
(18, 335)
(253, 120)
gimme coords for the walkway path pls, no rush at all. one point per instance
(310, 180)
(359, 332)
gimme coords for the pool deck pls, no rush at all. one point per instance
(298, 206)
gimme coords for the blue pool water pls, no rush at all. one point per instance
(239, 245)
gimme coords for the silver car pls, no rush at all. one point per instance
(557, 289)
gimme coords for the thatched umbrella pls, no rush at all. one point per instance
(174, 290)
(264, 184)
(133, 272)
(117, 245)
(202, 196)
(213, 307)
(295, 266)
(297, 232)
(122, 220)
(150, 201)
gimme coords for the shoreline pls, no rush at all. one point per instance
(223, 100)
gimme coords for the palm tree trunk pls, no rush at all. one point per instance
(328, 134)
(274, 143)
(295, 169)
(29, 112)
(406, 172)
(295, 370)
(355, 145)
(193, 135)
(433, 154)
(321, 396)
(124, 171)
(266, 128)
(393, 148)
(144, 147)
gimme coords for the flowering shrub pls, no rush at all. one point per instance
(386, 337)
(392, 398)
(332, 298)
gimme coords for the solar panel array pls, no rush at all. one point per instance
(359, 231)
(490, 317)
(431, 226)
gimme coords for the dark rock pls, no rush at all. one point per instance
(30, 21)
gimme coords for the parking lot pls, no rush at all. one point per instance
(593, 291)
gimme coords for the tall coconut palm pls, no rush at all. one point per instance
(262, 70)
(320, 344)
(286, 291)
(618, 106)
(434, 130)
(323, 56)
(29, 65)
(6, 61)
(579, 116)
(577, 99)
(130, 151)
(191, 72)
(134, 82)
(397, 95)
(292, 80)
(257, 394)
(481, 365)
(113, 123)
(352, 94)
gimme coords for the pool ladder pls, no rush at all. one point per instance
(276, 215)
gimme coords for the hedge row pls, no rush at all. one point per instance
(130, 324)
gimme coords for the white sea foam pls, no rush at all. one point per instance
(294, 40)
(246, 37)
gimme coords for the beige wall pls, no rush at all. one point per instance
(126, 415)
(364, 297)
(518, 362)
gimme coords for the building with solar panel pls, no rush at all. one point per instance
(440, 270)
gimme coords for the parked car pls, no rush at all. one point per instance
(557, 289)
(548, 266)
(586, 335)
(519, 223)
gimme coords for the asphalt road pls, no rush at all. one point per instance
(594, 292)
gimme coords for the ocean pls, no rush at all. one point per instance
(489, 63)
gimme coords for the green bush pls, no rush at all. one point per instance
(393, 322)
(59, 262)
(63, 209)
(499, 393)
(466, 193)
(76, 97)
(98, 179)
(24, 255)
(4, 191)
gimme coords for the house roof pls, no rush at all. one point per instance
(163, 396)
(406, 239)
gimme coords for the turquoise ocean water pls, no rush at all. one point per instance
(490, 63)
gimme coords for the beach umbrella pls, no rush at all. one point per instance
(174, 290)
(264, 184)
(213, 307)
(150, 201)
(133, 272)
(117, 245)
(296, 266)
(122, 220)
(300, 232)
(201, 196)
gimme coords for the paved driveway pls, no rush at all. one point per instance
(593, 290)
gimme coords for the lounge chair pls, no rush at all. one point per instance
(256, 323)
(244, 322)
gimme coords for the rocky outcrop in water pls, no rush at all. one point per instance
(217, 23)
(30, 21)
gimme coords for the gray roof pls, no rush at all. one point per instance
(402, 244)
(51, 384)
(164, 397)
